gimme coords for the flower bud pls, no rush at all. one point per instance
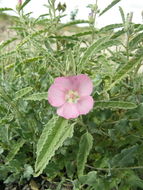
(18, 6)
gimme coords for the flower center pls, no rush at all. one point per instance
(72, 96)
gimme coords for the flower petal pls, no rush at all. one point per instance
(56, 97)
(64, 83)
(68, 111)
(85, 85)
(85, 104)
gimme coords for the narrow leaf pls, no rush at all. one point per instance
(5, 9)
(29, 60)
(111, 27)
(136, 40)
(22, 92)
(24, 4)
(73, 23)
(7, 42)
(115, 105)
(110, 6)
(122, 14)
(37, 96)
(85, 146)
(53, 136)
(97, 46)
(124, 70)
(14, 150)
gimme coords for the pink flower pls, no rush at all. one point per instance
(71, 95)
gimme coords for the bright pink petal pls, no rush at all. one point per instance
(85, 85)
(68, 111)
(56, 97)
(85, 104)
(63, 83)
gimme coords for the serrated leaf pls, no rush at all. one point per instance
(136, 40)
(111, 27)
(97, 46)
(64, 37)
(14, 150)
(110, 6)
(7, 42)
(117, 34)
(124, 70)
(27, 38)
(53, 136)
(73, 23)
(85, 146)
(114, 105)
(5, 9)
(125, 158)
(37, 96)
(83, 33)
(29, 60)
(22, 92)
(5, 55)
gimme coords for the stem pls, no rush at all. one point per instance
(123, 168)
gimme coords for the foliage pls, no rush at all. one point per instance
(101, 150)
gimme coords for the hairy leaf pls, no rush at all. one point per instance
(7, 42)
(136, 40)
(85, 146)
(124, 70)
(110, 6)
(115, 105)
(24, 4)
(125, 158)
(5, 9)
(14, 150)
(73, 23)
(53, 136)
(22, 92)
(37, 96)
(122, 14)
(97, 46)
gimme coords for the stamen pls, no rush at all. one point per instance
(72, 96)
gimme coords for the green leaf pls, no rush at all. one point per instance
(28, 171)
(110, 6)
(111, 27)
(14, 150)
(136, 40)
(83, 33)
(7, 42)
(29, 60)
(114, 105)
(73, 23)
(53, 136)
(125, 158)
(37, 96)
(30, 36)
(24, 4)
(85, 146)
(89, 179)
(5, 9)
(97, 46)
(124, 70)
(9, 100)
(22, 92)
(122, 14)
(6, 55)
